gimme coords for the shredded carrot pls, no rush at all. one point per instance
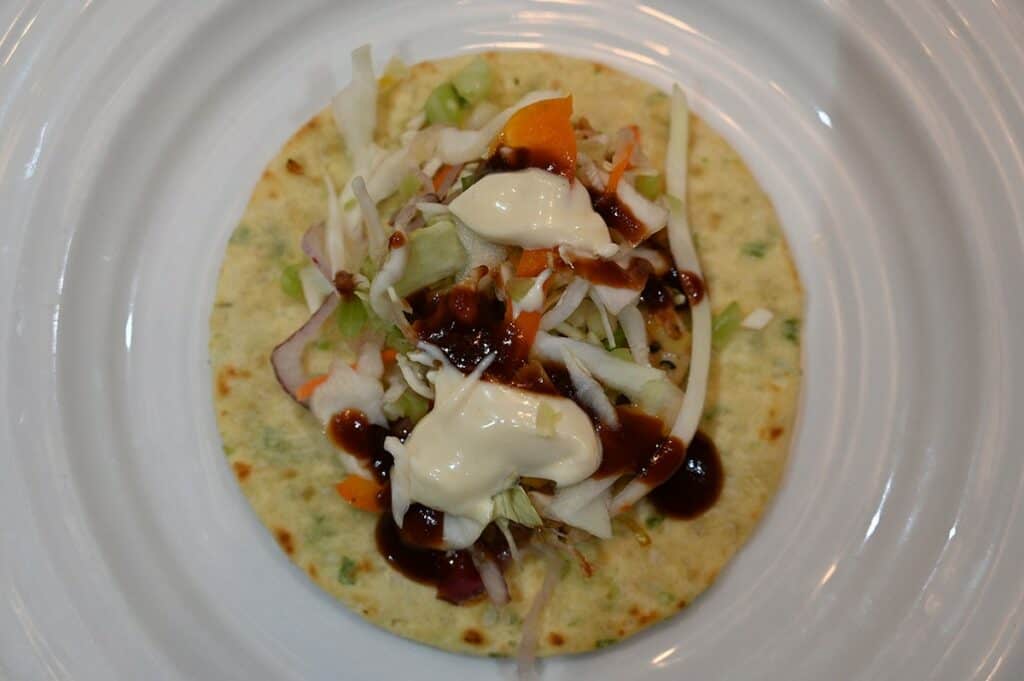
(624, 155)
(528, 323)
(544, 129)
(305, 391)
(359, 492)
(441, 176)
(388, 355)
(533, 262)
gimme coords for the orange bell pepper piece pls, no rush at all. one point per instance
(622, 162)
(545, 130)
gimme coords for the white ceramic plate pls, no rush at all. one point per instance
(890, 136)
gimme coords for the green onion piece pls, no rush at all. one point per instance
(468, 182)
(290, 282)
(473, 82)
(754, 249)
(724, 325)
(347, 571)
(412, 406)
(444, 105)
(791, 329)
(650, 186)
(351, 316)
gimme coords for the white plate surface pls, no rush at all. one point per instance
(890, 136)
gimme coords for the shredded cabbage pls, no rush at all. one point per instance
(632, 322)
(399, 477)
(462, 146)
(685, 255)
(479, 251)
(533, 300)
(314, 287)
(459, 531)
(390, 273)
(355, 109)
(614, 298)
(413, 378)
(572, 296)
(606, 325)
(626, 377)
(589, 390)
(653, 216)
(375, 235)
(347, 388)
(584, 505)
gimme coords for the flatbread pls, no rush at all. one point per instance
(287, 468)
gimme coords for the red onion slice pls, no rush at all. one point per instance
(313, 245)
(287, 357)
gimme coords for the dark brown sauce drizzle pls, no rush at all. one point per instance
(696, 485)
(350, 430)
(659, 292)
(638, 446)
(423, 526)
(692, 285)
(467, 326)
(396, 240)
(611, 274)
(345, 283)
(507, 159)
(451, 572)
(617, 216)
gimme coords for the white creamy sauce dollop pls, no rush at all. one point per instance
(482, 436)
(533, 208)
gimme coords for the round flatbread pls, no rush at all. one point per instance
(653, 566)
